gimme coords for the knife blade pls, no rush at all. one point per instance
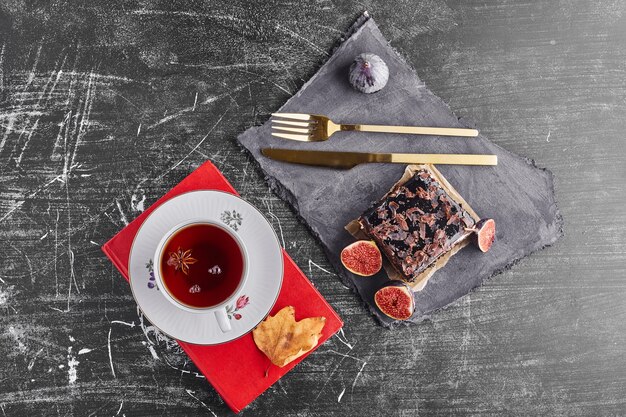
(351, 159)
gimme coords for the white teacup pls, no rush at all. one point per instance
(219, 309)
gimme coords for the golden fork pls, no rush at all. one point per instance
(316, 128)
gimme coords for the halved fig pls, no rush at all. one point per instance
(395, 300)
(485, 234)
(362, 258)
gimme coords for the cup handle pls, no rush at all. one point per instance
(222, 320)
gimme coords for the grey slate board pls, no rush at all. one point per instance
(518, 195)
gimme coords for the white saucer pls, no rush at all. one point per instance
(265, 266)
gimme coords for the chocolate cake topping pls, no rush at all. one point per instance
(415, 223)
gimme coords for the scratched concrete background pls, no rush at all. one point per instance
(105, 105)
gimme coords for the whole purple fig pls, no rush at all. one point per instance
(368, 73)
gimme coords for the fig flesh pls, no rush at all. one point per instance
(362, 258)
(395, 300)
(484, 234)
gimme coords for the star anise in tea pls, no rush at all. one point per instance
(181, 260)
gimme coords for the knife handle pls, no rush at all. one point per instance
(441, 159)
(413, 130)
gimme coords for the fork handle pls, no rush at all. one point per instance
(413, 130)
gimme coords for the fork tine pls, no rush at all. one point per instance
(297, 116)
(301, 138)
(290, 123)
(303, 131)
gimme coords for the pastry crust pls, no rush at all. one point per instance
(419, 224)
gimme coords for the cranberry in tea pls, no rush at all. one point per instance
(201, 265)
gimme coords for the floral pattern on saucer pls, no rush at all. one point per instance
(151, 279)
(232, 219)
(231, 310)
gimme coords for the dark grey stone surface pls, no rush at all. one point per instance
(519, 196)
(104, 106)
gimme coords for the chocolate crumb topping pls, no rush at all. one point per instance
(415, 223)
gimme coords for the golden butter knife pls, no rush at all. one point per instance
(352, 159)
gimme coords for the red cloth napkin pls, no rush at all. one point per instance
(236, 369)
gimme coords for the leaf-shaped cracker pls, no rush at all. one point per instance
(283, 339)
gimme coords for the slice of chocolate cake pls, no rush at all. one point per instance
(419, 221)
